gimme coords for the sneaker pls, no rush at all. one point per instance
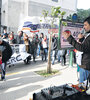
(88, 91)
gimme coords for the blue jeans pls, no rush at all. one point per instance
(53, 56)
(3, 70)
(45, 54)
(58, 55)
(83, 75)
(38, 51)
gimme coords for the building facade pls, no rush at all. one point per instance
(13, 11)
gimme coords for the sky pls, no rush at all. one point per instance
(83, 4)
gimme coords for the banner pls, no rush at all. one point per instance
(74, 28)
(19, 54)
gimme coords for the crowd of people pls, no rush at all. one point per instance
(35, 45)
(38, 46)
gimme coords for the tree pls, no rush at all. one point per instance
(81, 14)
(55, 13)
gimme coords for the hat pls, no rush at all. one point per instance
(1, 39)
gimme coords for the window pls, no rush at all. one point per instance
(55, 0)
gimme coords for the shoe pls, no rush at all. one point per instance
(42, 59)
(3, 79)
(34, 61)
(88, 91)
(53, 63)
(64, 64)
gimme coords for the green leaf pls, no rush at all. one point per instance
(63, 13)
(64, 23)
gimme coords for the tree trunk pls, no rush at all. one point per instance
(49, 55)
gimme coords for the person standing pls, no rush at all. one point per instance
(45, 48)
(82, 72)
(84, 47)
(41, 45)
(6, 50)
(54, 48)
(19, 38)
(5, 35)
(63, 57)
(33, 47)
(11, 38)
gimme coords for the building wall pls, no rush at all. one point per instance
(14, 11)
(14, 14)
(66, 4)
(35, 8)
(4, 15)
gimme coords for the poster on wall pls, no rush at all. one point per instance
(74, 28)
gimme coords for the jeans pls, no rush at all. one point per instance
(53, 56)
(38, 51)
(83, 75)
(3, 70)
(44, 55)
(63, 60)
(58, 55)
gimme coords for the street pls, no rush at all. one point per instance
(22, 81)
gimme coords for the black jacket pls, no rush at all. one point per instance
(54, 43)
(85, 48)
(7, 52)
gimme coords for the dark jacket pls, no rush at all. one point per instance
(7, 52)
(54, 43)
(85, 48)
(13, 41)
(19, 39)
(40, 43)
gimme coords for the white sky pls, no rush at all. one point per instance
(83, 4)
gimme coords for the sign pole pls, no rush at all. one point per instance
(74, 19)
(71, 59)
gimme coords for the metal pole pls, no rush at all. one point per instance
(59, 34)
(71, 59)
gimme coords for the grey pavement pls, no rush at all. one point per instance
(22, 81)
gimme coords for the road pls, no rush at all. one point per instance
(22, 81)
